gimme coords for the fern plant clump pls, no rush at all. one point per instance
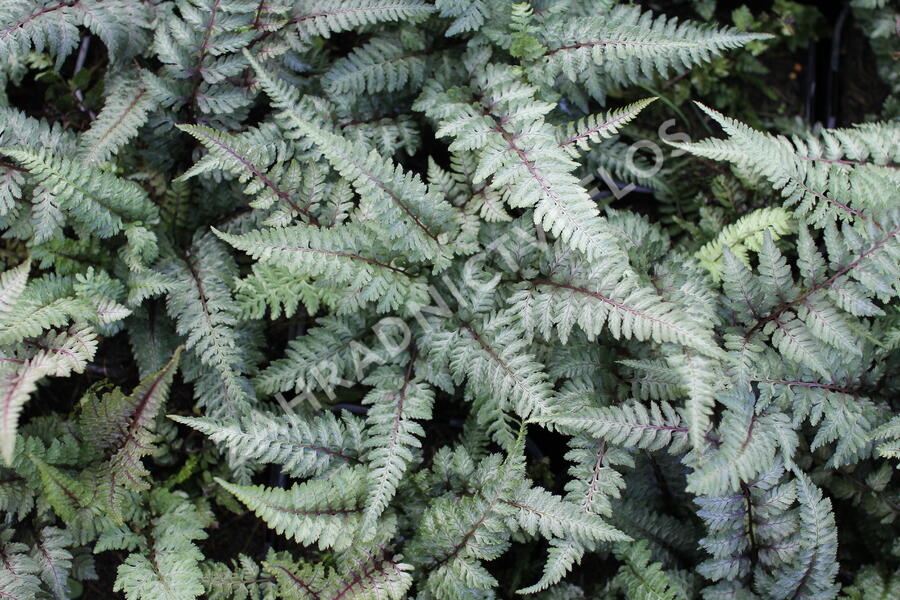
(329, 300)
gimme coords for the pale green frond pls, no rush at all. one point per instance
(69, 497)
(54, 559)
(253, 162)
(743, 235)
(811, 571)
(467, 15)
(607, 295)
(383, 64)
(205, 314)
(562, 555)
(376, 575)
(171, 569)
(795, 341)
(630, 425)
(598, 127)
(126, 110)
(890, 433)
(519, 151)
(870, 584)
(323, 18)
(43, 26)
(311, 360)
(325, 512)
(493, 358)
(98, 201)
(739, 526)
(701, 378)
(541, 512)
(818, 174)
(59, 355)
(341, 256)
(12, 284)
(394, 435)
(122, 429)
(18, 574)
(627, 46)
(748, 444)
(641, 579)
(300, 446)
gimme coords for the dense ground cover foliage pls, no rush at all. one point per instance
(333, 299)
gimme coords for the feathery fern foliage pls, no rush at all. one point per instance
(384, 338)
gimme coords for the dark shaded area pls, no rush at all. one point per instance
(72, 95)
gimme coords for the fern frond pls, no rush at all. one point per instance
(127, 108)
(417, 222)
(326, 512)
(606, 294)
(628, 425)
(870, 584)
(380, 65)
(641, 579)
(743, 235)
(740, 526)
(342, 256)
(890, 432)
(51, 26)
(12, 284)
(629, 46)
(121, 427)
(492, 356)
(205, 314)
(562, 556)
(749, 442)
(276, 291)
(99, 201)
(46, 303)
(814, 173)
(385, 134)
(701, 378)
(540, 511)
(366, 247)
(122, 25)
(392, 435)
(69, 498)
(375, 575)
(18, 578)
(249, 161)
(811, 571)
(18, 129)
(58, 355)
(467, 15)
(54, 559)
(795, 341)
(323, 18)
(519, 151)
(199, 47)
(309, 357)
(171, 569)
(302, 447)
(598, 127)
(455, 535)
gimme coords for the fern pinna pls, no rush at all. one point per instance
(377, 322)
